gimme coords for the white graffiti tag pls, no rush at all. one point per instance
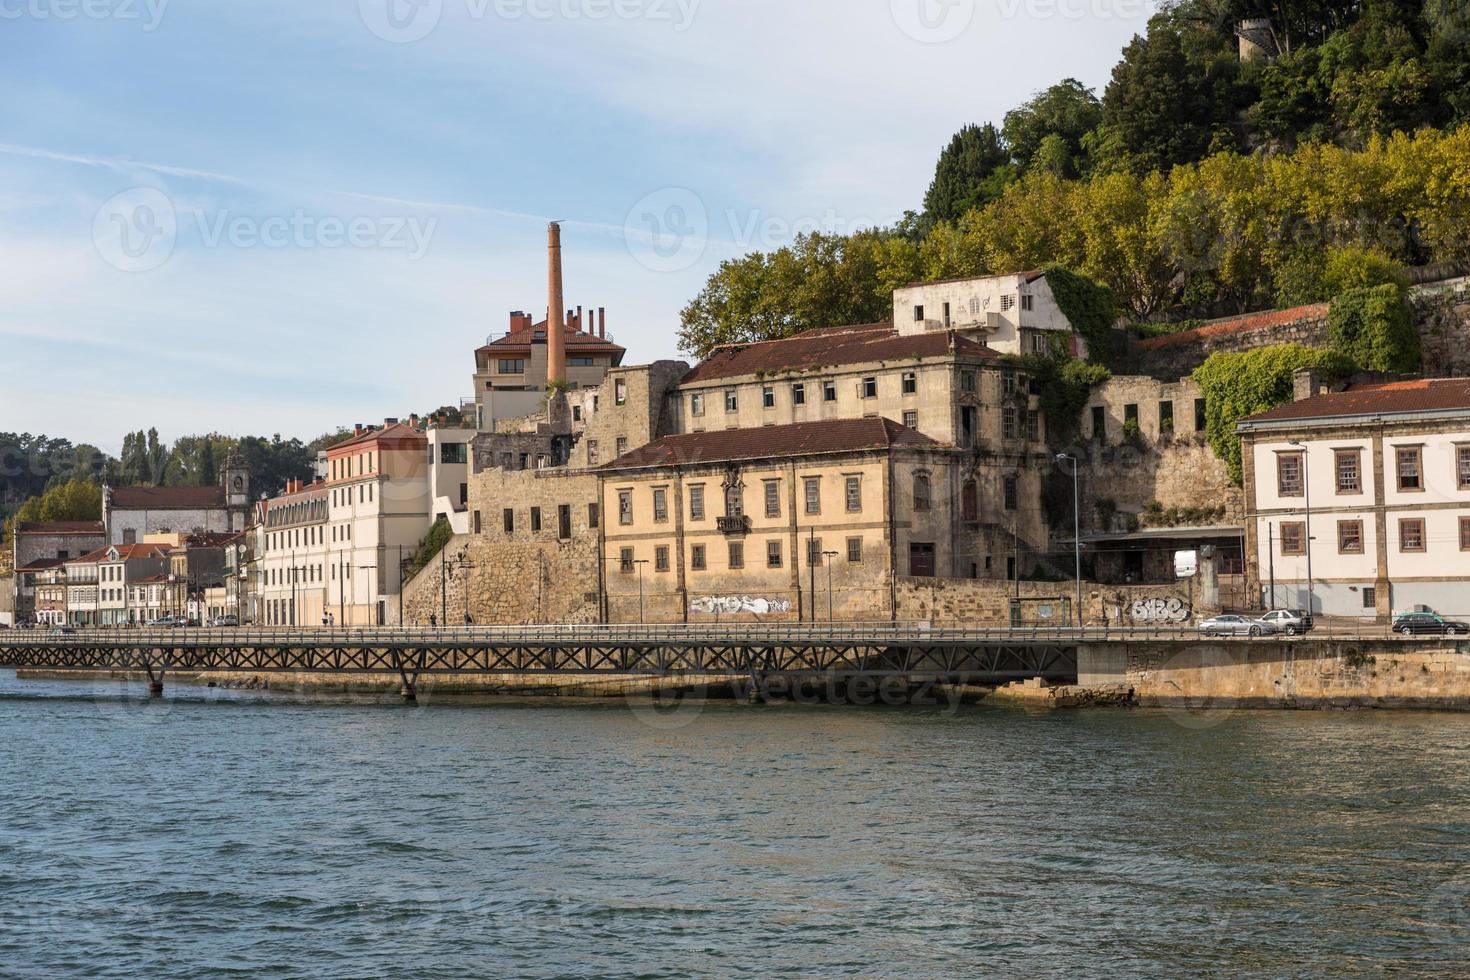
(735, 605)
(1160, 610)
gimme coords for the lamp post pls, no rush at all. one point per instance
(829, 555)
(1076, 523)
(1307, 500)
(640, 562)
(447, 568)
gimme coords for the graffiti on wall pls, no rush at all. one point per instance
(736, 605)
(1159, 609)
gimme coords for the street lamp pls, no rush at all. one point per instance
(1076, 523)
(1307, 499)
(640, 562)
(829, 555)
(447, 568)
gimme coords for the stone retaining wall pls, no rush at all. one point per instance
(986, 603)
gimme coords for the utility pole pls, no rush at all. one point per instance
(829, 555)
(400, 587)
(640, 562)
(1307, 499)
(811, 568)
(1271, 551)
(1076, 524)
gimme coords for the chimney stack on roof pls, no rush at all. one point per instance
(602, 322)
(556, 338)
(357, 428)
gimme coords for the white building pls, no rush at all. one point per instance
(293, 562)
(378, 512)
(1369, 489)
(449, 476)
(1011, 314)
(131, 514)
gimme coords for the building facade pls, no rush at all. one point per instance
(293, 557)
(1361, 498)
(39, 547)
(1010, 314)
(131, 514)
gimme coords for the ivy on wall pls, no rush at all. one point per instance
(1374, 327)
(1090, 307)
(1236, 386)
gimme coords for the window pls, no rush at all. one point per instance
(737, 554)
(910, 383)
(1028, 302)
(453, 452)
(1411, 477)
(581, 362)
(773, 554)
(854, 494)
(625, 507)
(1465, 534)
(1166, 417)
(576, 413)
(773, 498)
(870, 387)
(811, 488)
(509, 366)
(798, 394)
(696, 403)
(1007, 302)
(1010, 492)
(1033, 425)
(1130, 414)
(509, 518)
(1099, 422)
(1462, 467)
(696, 558)
(813, 552)
(1040, 343)
(661, 558)
(1293, 538)
(1349, 464)
(620, 392)
(1350, 537)
(1370, 597)
(919, 314)
(535, 520)
(594, 516)
(592, 452)
(1008, 422)
(1411, 534)
(854, 551)
(922, 498)
(970, 502)
(921, 560)
(967, 382)
(829, 391)
(660, 505)
(1289, 474)
(1199, 415)
(946, 315)
(621, 446)
(768, 397)
(625, 560)
(696, 502)
(1008, 383)
(477, 523)
(735, 501)
(911, 419)
(732, 401)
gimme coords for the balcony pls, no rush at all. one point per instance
(733, 525)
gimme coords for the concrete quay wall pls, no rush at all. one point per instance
(1302, 673)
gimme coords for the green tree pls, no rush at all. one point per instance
(1047, 130)
(1156, 110)
(1375, 329)
(972, 170)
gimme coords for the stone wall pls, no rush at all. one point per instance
(1203, 679)
(1443, 315)
(987, 603)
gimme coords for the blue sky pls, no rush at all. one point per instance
(264, 216)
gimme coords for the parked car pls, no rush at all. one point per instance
(223, 622)
(1233, 625)
(1429, 624)
(166, 622)
(1292, 622)
(63, 631)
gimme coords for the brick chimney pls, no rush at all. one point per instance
(602, 322)
(556, 337)
(357, 428)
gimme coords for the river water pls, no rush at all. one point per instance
(262, 835)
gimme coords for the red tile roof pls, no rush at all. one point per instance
(576, 340)
(1397, 398)
(1248, 323)
(61, 528)
(168, 498)
(801, 439)
(125, 552)
(863, 344)
(397, 435)
(40, 566)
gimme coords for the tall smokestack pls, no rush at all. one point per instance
(556, 337)
(602, 322)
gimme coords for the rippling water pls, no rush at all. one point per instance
(247, 835)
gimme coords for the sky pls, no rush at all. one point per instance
(288, 216)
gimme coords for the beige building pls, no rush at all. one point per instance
(293, 557)
(1361, 498)
(378, 511)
